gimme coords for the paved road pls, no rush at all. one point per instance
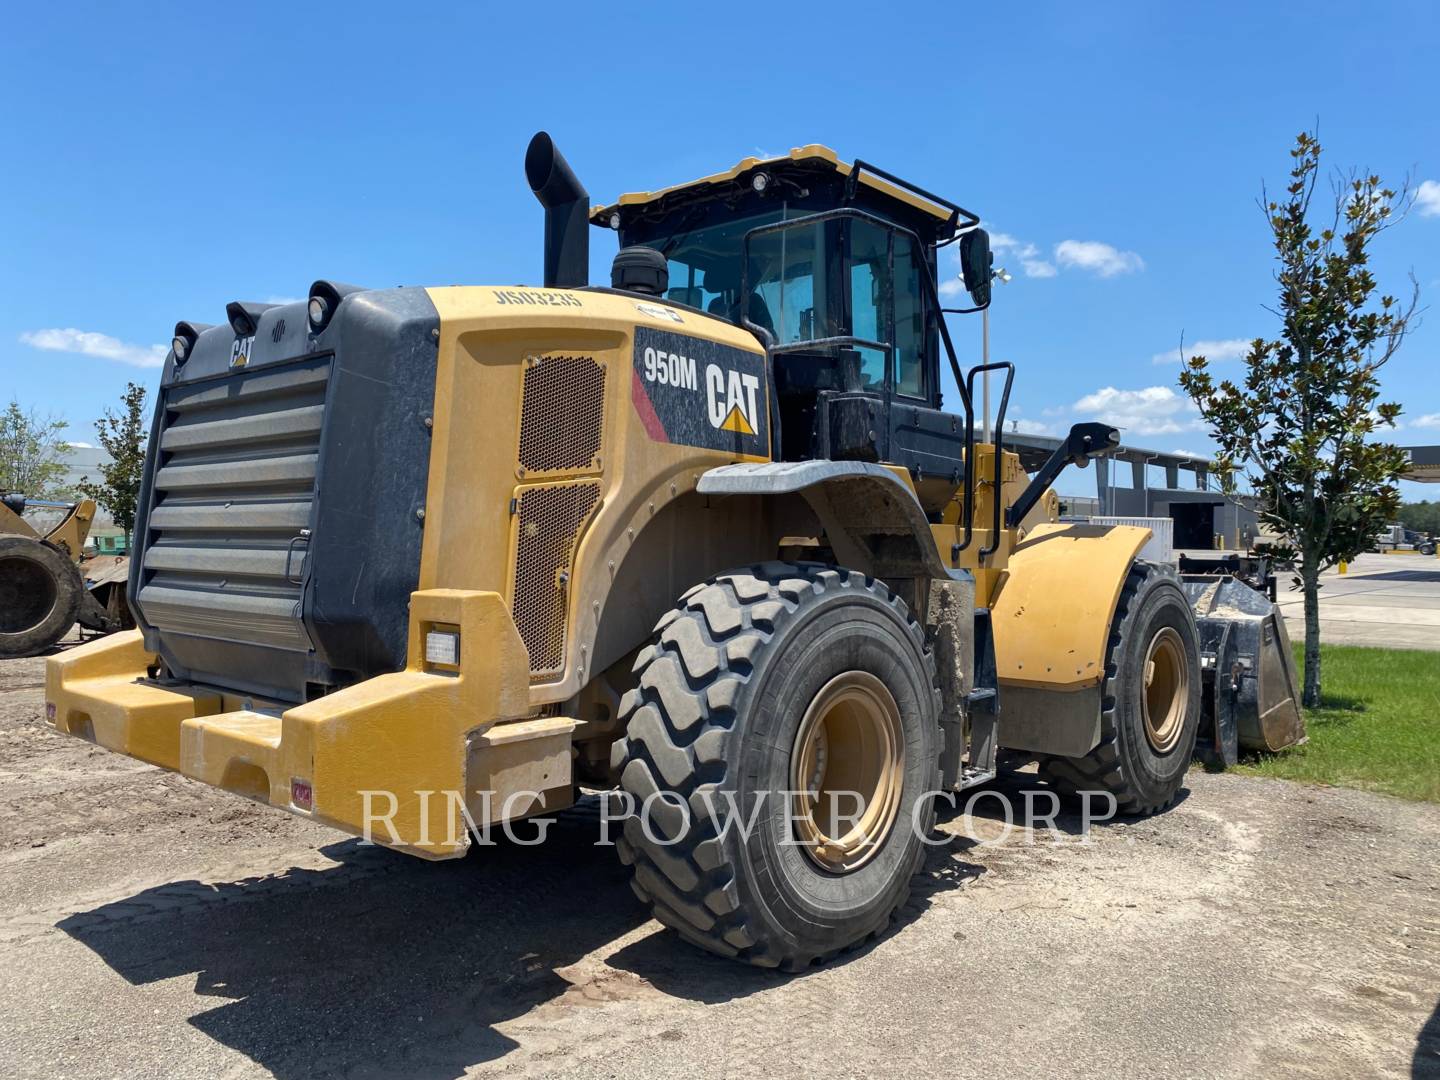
(1392, 601)
(152, 927)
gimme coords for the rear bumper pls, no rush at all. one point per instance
(377, 758)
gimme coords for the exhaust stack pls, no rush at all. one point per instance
(566, 203)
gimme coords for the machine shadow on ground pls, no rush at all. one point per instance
(380, 964)
(1014, 787)
(667, 964)
(384, 964)
(1426, 1065)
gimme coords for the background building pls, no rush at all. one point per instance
(82, 463)
(1203, 517)
(1424, 464)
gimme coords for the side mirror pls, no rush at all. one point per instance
(977, 265)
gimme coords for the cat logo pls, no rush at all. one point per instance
(732, 398)
(240, 351)
(691, 391)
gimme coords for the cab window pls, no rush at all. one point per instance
(887, 305)
(704, 264)
(787, 272)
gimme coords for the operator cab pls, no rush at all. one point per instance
(833, 267)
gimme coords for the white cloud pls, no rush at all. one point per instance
(1154, 410)
(1429, 422)
(81, 445)
(1097, 258)
(1026, 254)
(1090, 256)
(102, 346)
(282, 299)
(1427, 198)
(1031, 427)
(952, 287)
(1226, 349)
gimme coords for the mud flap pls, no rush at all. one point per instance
(1252, 695)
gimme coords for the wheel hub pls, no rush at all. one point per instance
(847, 769)
(1167, 689)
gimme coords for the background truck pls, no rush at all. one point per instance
(705, 536)
(1397, 537)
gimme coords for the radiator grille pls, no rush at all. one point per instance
(562, 413)
(550, 520)
(224, 549)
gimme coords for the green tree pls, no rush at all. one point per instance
(123, 437)
(1421, 516)
(31, 452)
(1300, 426)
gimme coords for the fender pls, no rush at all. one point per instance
(1051, 620)
(869, 512)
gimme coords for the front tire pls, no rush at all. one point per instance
(763, 683)
(1151, 705)
(40, 594)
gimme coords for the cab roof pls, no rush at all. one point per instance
(810, 158)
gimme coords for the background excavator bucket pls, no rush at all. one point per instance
(1252, 694)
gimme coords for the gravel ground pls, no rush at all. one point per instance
(152, 927)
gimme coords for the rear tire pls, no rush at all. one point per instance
(729, 697)
(40, 591)
(1148, 725)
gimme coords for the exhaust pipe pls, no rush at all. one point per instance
(566, 203)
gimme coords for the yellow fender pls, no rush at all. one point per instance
(1050, 617)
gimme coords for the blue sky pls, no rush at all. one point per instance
(160, 160)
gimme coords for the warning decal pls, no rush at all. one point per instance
(699, 393)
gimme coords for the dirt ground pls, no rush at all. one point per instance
(151, 927)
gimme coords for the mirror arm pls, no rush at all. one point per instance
(967, 310)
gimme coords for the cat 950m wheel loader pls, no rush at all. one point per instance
(408, 558)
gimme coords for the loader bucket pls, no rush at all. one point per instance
(1251, 694)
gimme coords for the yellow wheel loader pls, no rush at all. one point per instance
(416, 561)
(42, 592)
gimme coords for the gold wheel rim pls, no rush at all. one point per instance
(847, 769)
(1166, 691)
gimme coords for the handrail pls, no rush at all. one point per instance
(956, 210)
(999, 447)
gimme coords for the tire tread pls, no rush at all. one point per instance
(1102, 769)
(676, 723)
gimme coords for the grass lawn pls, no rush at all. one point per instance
(1377, 729)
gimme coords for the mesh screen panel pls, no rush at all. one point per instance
(562, 414)
(549, 520)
